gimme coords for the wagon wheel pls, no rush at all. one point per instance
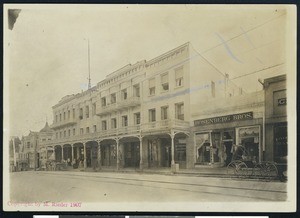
(258, 171)
(232, 169)
(242, 170)
(271, 171)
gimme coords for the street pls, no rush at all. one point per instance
(108, 187)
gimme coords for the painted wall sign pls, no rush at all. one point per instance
(224, 119)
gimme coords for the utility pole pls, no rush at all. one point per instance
(89, 67)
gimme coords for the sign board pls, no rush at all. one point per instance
(224, 119)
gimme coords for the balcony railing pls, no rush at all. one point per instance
(121, 104)
(165, 125)
(62, 124)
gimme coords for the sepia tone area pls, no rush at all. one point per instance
(144, 104)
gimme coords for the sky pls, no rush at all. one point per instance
(46, 52)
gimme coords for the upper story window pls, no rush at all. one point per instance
(104, 125)
(113, 98)
(60, 134)
(113, 123)
(56, 118)
(74, 131)
(28, 144)
(87, 130)
(124, 94)
(81, 131)
(81, 113)
(94, 109)
(69, 132)
(56, 134)
(179, 76)
(179, 111)
(165, 82)
(137, 118)
(69, 114)
(152, 86)
(213, 89)
(64, 115)
(152, 115)
(103, 101)
(164, 113)
(136, 90)
(73, 113)
(125, 120)
(65, 133)
(87, 111)
(95, 128)
(59, 117)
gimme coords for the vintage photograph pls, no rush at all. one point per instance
(149, 108)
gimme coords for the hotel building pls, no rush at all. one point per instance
(139, 116)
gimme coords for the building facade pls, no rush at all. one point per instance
(276, 118)
(140, 115)
(220, 126)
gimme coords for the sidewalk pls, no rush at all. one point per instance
(201, 171)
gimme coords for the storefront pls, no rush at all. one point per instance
(216, 138)
(276, 119)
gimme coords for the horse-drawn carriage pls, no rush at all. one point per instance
(245, 166)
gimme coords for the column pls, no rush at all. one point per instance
(172, 148)
(118, 160)
(62, 153)
(72, 147)
(141, 152)
(99, 155)
(54, 153)
(84, 155)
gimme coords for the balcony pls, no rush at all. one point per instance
(63, 124)
(122, 131)
(165, 125)
(121, 104)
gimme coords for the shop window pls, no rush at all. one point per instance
(136, 90)
(152, 115)
(202, 147)
(179, 76)
(180, 150)
(124, 120)
(280, 143)
(249, 140)
(164, 113)
(113, 98)
(165, 82)
(179, 111)
(124, 94)
(137, 118)
(104, 125)
(152, 86)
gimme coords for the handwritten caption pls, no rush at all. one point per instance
(45, 204)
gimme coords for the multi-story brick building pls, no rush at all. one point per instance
(138, 116)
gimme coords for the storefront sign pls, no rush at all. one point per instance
(224, 119)
(281, 101)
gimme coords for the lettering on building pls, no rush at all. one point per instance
(224, 119)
